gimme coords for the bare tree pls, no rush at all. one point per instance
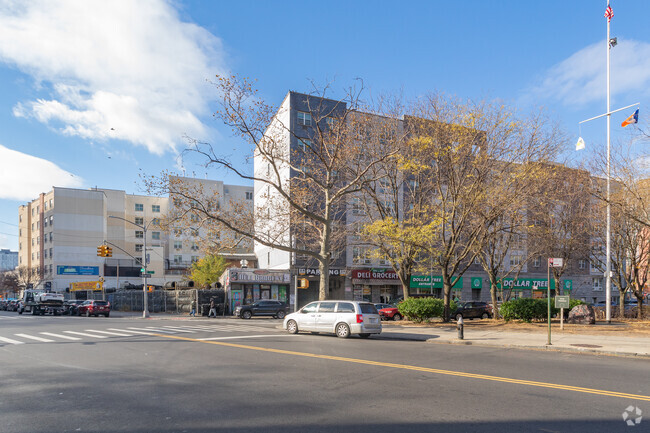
(9, 283)
(28, 276)
(303, 176)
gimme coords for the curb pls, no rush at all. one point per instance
(583, 351)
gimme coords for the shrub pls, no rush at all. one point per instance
(421, 309)
(526, 309)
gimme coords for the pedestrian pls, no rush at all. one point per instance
(213, 308)
(193, 308)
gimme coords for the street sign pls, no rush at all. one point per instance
(555, 263)
(562, 301)
(151, 272)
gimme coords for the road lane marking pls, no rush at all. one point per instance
(66, 337)
(85, 335)
(10, 341)
(423, 369)
(110, 333)
(151, 328)
(241, 336)
(131, 331)
(32, 337)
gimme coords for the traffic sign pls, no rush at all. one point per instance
(555, 263)
(562, 301)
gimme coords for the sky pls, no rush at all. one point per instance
(96, 93)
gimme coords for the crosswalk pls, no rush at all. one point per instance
(128, 331)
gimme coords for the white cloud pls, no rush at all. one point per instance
(43, 174)
(581, 78)
(124, 69)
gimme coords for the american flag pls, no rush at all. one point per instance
(609, 13)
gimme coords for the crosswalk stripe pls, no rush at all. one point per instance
(10, 341)
(177, 329)
(110, 333)
(151, 328)
(85, 335)
(66, 337)
(32, 337)
(131, 331)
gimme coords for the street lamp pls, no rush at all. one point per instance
(145, 308)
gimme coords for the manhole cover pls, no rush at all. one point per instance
(585, 345)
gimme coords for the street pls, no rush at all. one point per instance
(67, 374)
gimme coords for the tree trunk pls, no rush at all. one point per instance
(621, 304)
(446, 299)
(639, 304)
(493, 296)
(324, 281)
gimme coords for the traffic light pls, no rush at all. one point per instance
(108, 251)
(150, 288)
(100, 251)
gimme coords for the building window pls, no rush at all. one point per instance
(51, 236)
(304, 118)
(155, 208)
(249, 195)
(51, 220)
(45, 254)
(155, 221)
(195, 246)
(537, 262)
(598, 284)
(178, 259)
(155, 236)
(138, 248)
(45, 206)
(45, 223)
(195, 259)
(582, 264)
(139, 234)
(178, 232)
(139, 221)
(515, 259)
(139, 207)
(304, 144)
(194, 232)
(178, 245)
(51, 256)
(50, 203)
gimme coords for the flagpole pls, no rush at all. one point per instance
(608, 266)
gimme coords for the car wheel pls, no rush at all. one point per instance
(246, 315)
(459, 316)
(397, 317)
(280, 315)
(364, 335)
(485, 316)
(342, 330)
(87, 313)
(292, 327)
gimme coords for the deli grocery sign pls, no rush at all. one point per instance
(374, 274)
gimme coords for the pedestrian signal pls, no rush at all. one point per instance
(303, 283)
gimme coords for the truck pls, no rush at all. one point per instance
(40, 302)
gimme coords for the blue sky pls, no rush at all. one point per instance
(97, 93)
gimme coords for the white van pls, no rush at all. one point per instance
(342, 318)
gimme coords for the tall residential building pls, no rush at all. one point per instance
(8, 260)
(355, 272)
(60, 231)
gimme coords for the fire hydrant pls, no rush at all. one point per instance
(461, 328)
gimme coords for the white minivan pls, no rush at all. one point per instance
(342, 318)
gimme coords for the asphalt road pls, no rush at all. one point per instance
(58, 375)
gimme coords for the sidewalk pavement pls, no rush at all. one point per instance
(603, 344)
(598, 344)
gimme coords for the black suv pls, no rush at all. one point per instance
(276, 309)
(473, 309)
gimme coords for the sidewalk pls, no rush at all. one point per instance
(563, 342)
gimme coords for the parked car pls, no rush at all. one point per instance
(70, 306)
(388, 312)
(342, 318)
(94, 308)
(265, 307)
(12, 305)
(473, 309)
